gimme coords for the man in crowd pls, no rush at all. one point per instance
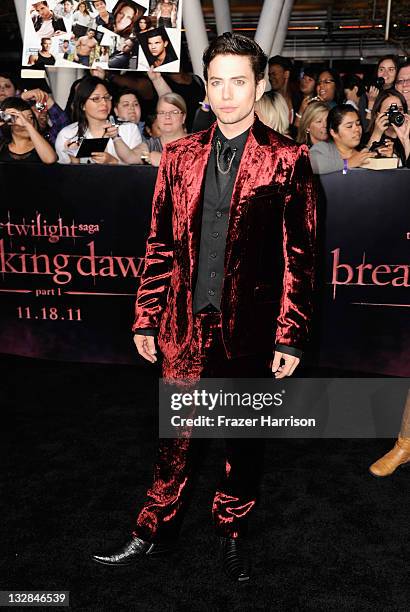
(45, 23)
(233, 206)
(403, 82)
(279, 72)
(84, 46)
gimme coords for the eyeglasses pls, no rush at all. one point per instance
(403, 82)
(97, 99)
(166, 113)
(325, 81)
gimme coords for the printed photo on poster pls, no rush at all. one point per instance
(107, 34)
(156, 48)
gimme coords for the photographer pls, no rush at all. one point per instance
(20, 138)
(386, 72)
(92, 107)
(51, 118)
(341, 151)
(391, 124)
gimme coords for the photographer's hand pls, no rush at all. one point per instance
(371, 96)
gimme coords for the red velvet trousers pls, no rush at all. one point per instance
(237, 493)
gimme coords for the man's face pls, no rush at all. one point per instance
(67, 7)
(157, 46)
(403, 83)
(127, 46)
(43, 10)
(278, 77)
(231, 88)
(90, 33)
(100, 6)
(7, 89)
(46, 44)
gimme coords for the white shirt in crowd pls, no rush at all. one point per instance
(128, 132)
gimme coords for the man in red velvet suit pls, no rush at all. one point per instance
(227, 286)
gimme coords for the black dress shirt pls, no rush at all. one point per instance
(215, 215)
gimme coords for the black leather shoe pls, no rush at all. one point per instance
(234, 559)
(132, 552)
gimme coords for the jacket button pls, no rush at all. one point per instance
(211, 292)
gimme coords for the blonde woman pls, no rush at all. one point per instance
(273, 111)
(400, 453)
(171, 115)
(313, 124)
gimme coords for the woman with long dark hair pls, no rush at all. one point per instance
(91, 108)
(341, 152)
(125, 16)
(329, 87)
(20, 137)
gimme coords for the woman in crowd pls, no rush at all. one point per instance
(92, 107)
(329, 87)
(82, 16)
(341, 151)
(380, 127)
(8, 86)
(387, 68)
(400, 453)
(125, 16)
(20, 137)
(171, 115)
(313, 124)
(273, 111)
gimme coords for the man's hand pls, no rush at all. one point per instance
(287, 369)
(146, 347)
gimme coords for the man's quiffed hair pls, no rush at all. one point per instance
(236, 44)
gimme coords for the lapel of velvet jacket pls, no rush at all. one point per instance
(195, 165)
(248, 174)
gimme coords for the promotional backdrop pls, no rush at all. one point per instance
(72, 246)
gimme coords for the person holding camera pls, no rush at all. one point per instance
(386, 72)
(390, 126)
(20, 137)
(341, 152)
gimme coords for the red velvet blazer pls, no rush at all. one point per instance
(269, 257)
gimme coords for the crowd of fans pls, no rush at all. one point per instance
(344, 120)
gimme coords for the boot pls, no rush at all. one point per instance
(399, 455)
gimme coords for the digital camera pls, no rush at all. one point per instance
(6, 117)
(394, 116)
(377, 82)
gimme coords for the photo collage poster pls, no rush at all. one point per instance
(106, 34)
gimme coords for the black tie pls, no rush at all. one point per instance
(223, 163)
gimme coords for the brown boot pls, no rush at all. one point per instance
(399, 455)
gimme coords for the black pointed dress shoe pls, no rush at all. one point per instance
(132, 552)
(235, 560)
